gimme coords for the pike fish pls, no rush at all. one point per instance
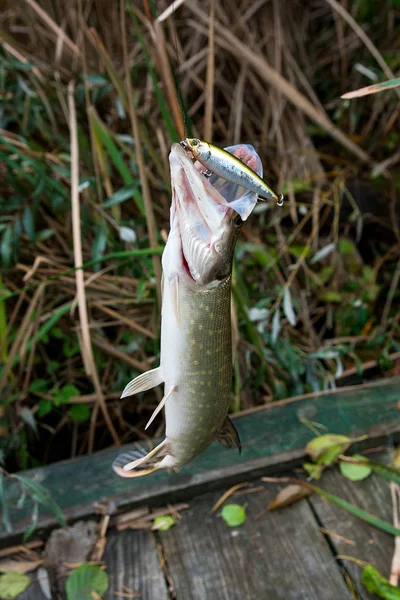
(196, 338)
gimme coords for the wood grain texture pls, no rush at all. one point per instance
(33, 591)
(132, 560)
(277, 556)
(273, 440)
(371, 545)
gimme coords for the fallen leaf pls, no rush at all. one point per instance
(163, 523)
(325, 449)
(85, 581)
(314, 471)
(289, 495)
(233, 514)
(12, 584)
(353, 471)
(396, 458)
(376, 584)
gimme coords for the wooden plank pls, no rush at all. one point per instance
(371, 545)
(33, 591)
(132, 560)
(273, 439)
(273, 556)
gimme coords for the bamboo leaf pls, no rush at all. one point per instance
(288, 307)
(41, 495)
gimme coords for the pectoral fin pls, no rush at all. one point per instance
(143, 382)
(161, 404)
(228, 435)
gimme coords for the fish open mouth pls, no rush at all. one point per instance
(206, 215)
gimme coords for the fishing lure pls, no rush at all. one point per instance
(229, 167)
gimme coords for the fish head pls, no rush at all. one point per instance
(207, 214)
(196, 148)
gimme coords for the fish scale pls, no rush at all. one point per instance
(203, 393)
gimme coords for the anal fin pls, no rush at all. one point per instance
(143, 382)
(160, 406)
(139, 462)
(228, 435)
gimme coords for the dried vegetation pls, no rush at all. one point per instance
(89, 110)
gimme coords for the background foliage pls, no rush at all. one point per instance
(315, 283)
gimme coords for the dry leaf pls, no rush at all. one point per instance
(288, 495)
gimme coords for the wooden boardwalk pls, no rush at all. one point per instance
(282, 555)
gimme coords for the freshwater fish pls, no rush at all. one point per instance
(196, 338)
(230, 167)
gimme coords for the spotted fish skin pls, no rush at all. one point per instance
(197, 410)
(196, 338)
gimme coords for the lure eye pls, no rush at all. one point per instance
(195, 142)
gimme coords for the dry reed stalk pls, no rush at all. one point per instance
(235, 46)
(209, 101)
(86, 346)
(150, 218)
(364, 38)
(19, 338)
(53, 26)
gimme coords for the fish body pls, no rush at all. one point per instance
(196, 338)
(230, 167)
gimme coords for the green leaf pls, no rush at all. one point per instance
(44, 408)
(79, 412)
(163, 523)
(346, 246)
(28, 223)
(67, 392)
(325, 449)
(288, 307)
(100, 242)
(84, 580)
(121, 195)
(6, 247)
(376, 584)
(314, 471)
(5, 518)
(233, 514)
(39, 386)
(357, 512)
(31, 528)
(41, 495)
(353, 471)
(276, 326)
(322, 253)
(12, 584)
(331, 296)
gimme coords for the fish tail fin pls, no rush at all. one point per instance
(139, 462)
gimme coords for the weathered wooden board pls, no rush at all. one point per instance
(33, 591)
(132, 560)
(273, 556)
(273, 439)
(371, 545)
